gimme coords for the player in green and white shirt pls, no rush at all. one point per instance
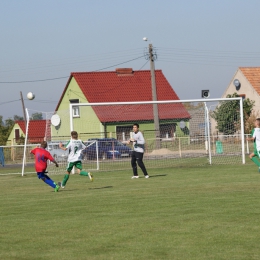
(75, 146)
(255, 136)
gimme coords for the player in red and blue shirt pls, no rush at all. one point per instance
(41, 157)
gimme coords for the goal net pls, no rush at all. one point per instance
(178, 133)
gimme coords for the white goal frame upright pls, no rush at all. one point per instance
(170, 102)
(176, 152)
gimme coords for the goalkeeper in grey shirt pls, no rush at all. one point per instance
(138, 152)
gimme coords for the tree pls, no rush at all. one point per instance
(21, 140)
(192, 106)
(250, 122)
(18, 118)
(9, 122)
(227, 114)
(36, 116)
(5, 130)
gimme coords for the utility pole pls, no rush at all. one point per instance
(154, 96)
(24, 114)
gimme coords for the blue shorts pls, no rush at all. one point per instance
(42, 175)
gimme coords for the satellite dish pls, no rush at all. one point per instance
(236, 83)
(55, 120)
(182, 124)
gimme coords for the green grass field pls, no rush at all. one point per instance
(208, 212)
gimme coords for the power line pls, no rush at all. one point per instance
(38, 101)
(118, 64)
(48, 101)
(40, 80)
(29, 81)
(92, 61)
(7, 102)
(207, 57)
(174, 55)
(90, 58)
(209, 51)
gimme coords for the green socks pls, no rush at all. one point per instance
(83, 173)
(65, 179)
(255, 160)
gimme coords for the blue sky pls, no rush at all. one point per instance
(199, 44)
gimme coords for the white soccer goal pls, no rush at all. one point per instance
(186, 133)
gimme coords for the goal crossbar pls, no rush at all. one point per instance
(170, 102)
(182, 135)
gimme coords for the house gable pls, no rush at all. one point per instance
(13, 134)
(72, 91)
(36, 132)
(125, 85)
(249, 78)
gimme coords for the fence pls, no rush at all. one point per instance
(175, 147)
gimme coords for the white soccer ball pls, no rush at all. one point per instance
(30, 96)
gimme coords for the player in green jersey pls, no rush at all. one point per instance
(75, 147)
(255, 136)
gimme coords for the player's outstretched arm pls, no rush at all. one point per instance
(56, 164)
(62, 147)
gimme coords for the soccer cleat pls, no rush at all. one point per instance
(146, 176)
(56, 189)
(135, 177)
(60, 184)
(90, 176)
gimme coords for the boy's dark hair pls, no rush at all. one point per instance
(136, 125)
(43, 144)
(74, 134)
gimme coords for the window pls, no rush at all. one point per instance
(75, 109)
(17, 135)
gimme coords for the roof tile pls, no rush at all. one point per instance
(110, 86)
(253, 76)
(36, 130)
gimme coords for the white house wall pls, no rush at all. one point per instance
(245, 88)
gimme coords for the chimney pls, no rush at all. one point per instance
(124, 71)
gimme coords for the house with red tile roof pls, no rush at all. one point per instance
(36, 132)
(121, 85)
(246, 83)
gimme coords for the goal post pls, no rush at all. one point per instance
(209, 132)
(25, 141)
(191, 133)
